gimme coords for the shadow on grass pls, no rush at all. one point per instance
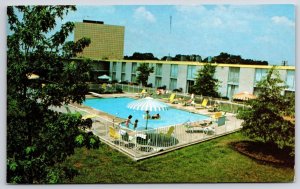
(265, 153)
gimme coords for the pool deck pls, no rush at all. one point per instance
(104, 121)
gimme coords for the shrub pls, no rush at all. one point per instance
(119, 90)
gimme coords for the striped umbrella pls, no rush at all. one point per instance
(244, 96)
(147, 104)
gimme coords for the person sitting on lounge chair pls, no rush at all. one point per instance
(156, 116)
(191, 101)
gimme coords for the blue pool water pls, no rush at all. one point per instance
(117, 107)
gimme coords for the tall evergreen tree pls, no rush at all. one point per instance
(265, 120)
(144, 72)
(205, 83)
(39, 138)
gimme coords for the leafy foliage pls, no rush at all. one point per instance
(205, 83)
(140, 56)
(225, 58)
(265, 121)
(39, 138)
(144, 72)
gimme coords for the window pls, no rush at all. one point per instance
(123, 76)
(114, 76)
(260, 74)
(174, 70)
(134, 67)
(232, 90)
(123, 66)
(234, 74)
(158, 69)
(114, 68)
(290, 80)
(173, 84)
(191, 72)
(158, 82)
(133, 78)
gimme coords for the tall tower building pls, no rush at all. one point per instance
(107, 41)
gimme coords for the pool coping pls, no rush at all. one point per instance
(138, 156)
(121, 120)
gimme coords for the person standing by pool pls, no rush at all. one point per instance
(135, 124)
(147, 116)
(128, 120)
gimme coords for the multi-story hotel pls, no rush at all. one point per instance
(107, 41)
(107, 46)
(233, 78)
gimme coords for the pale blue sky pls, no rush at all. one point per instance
(260, 32)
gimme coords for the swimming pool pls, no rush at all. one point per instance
(117, 107)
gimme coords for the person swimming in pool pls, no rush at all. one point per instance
(156, 116)
(135, 124)
(128, 121)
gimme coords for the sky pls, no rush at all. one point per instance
(258, 32)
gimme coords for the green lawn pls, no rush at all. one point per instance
(211, 161)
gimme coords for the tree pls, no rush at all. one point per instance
(265, 119)
(38, 138)
(140, 56)
(144, 72)
(205, 83)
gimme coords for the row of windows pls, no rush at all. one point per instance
(233, 76)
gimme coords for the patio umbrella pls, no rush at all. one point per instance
(32, 76)
(244, 96)
(104, 77)
(89, 116)
(147, 104)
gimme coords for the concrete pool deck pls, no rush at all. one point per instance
(104, 120)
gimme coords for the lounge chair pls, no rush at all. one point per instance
(202, 105)
(170, 131)
(143, 93)
(114, 134)
(171, 99)
(204, 127)
(216, 115)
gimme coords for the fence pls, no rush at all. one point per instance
(223, 105)
(140, 144)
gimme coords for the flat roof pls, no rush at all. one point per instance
(203, 63)
(196, 63)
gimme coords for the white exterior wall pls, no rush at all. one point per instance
(222, 75)
(246, 80)
(246, 76)
(151, 78)
(283, 74)
(118, 71)
(182, 77)
(165, 80)
(128, 71)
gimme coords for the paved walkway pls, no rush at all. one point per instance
(103, 121)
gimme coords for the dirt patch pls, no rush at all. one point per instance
(77, 165)
(264, 153)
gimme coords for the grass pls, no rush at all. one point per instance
(211, 161)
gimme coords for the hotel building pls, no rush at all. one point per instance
(233, 78)
(107, 41)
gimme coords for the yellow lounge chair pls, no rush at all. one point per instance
(143, 93)
(217, 115)
(172, 98)
(203, 105)
(170, 131)
(113, 133)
